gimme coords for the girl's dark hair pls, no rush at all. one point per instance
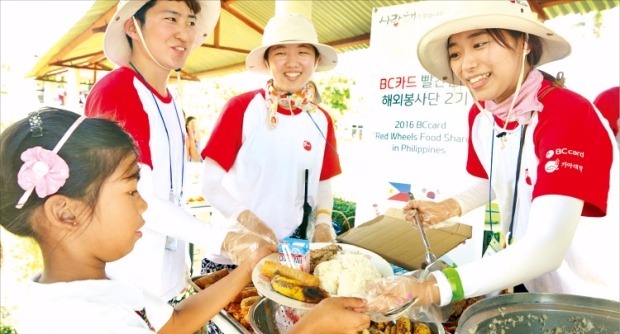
(140, 15)
(92, 152)
(535, 43)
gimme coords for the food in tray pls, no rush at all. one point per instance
(295, 289)
(402, 325)
(208, 279)
(239, 308)
(195, 199)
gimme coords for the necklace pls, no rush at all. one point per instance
(172, 197)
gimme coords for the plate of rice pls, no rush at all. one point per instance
(346, 273)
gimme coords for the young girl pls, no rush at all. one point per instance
(70, 183)
(541, 151)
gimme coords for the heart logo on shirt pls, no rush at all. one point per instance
(307, 145)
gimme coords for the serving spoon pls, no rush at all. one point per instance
(429, 257)
(398, 309)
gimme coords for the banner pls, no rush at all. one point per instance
(415, 126)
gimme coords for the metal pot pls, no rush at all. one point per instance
(541, 313)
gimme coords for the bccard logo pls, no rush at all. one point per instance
(549, 154)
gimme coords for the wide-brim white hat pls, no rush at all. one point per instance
(115, 44)
(472, 15)
(290, 29)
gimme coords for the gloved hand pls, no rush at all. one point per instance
(250, 221)
(431, 213)
(242, 244)
(322, 230)
(390, 292)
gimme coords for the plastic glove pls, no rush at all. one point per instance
(250, 221)
(323, 230)
(431, 213)
(241, 244)
(334, 315)
(390, 292)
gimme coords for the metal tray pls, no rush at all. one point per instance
(263, 313)
(229, 320)
(541, 313)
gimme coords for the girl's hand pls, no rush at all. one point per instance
(334, 315)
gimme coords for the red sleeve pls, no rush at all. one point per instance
(331, 161)
(114, 97)
(607, 103)
(226, 137)
(574, 151)
(474, 166)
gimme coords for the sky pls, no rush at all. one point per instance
(29, 28)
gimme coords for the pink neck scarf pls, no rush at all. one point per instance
(527, 101)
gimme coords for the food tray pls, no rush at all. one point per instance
(541, 313)
(230, 320)
(264, 312)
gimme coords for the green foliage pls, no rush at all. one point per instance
(29, 258)
(343, 214)
(5, 329)
(335, 92)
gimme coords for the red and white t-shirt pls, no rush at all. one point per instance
(158, 261)
(265, 165)
(566, 151)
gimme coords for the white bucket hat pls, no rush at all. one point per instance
(471, 15)
(115, 44)
(290, 29)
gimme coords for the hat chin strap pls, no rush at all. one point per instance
(139, 31)
(502, 134)
(178, 70)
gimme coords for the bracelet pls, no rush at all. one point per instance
(325, 211)
(455, 282)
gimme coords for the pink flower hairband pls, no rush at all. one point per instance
(43, 170)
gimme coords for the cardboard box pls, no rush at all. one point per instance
(394, 239)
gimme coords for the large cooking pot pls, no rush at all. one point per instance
(541, 313)
(264, 312)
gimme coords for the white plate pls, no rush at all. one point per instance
(263, 285)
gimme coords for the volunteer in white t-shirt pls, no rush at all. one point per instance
(266, 140)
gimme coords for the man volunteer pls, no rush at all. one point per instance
(148, 40)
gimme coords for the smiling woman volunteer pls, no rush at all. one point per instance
(266, 140)
(541, 151)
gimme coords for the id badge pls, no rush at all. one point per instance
(171, 243)
(493, 247)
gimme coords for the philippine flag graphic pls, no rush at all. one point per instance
(402, 190)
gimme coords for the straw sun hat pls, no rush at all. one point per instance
(473, 15)
(290, 29)
(115, 44)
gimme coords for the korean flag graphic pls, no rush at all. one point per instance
(400, 192)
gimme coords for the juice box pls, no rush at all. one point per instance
(299, 250)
